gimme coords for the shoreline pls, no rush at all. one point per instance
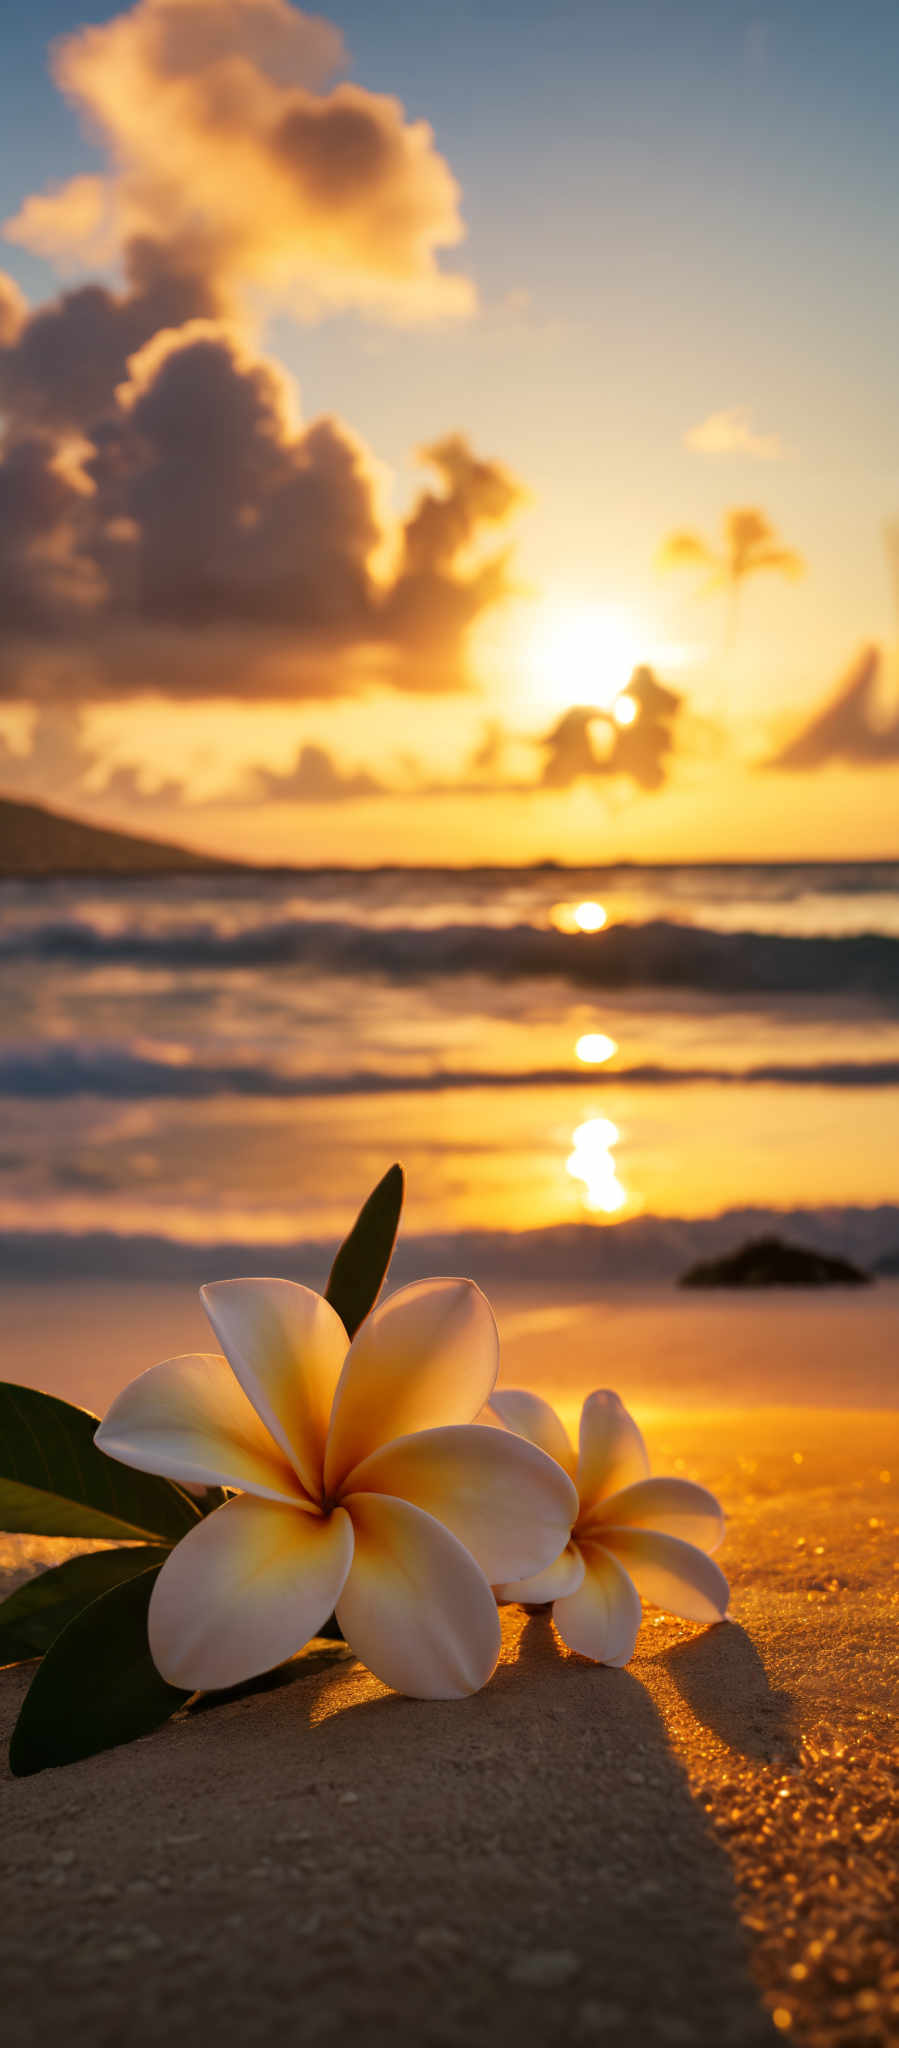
(660, 1347)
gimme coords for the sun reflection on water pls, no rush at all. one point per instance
(578, 917)
(594, 1047)
(592, 1162)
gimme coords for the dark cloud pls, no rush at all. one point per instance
(166, 523)
(200, 542)
(847, 729)
(45, 579)
(61, 364)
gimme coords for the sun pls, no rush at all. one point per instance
(559, 652)
(581, 653)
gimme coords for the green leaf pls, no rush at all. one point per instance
(97, 1686)
(54, 1481)
(34, 1615)
(354, 1281)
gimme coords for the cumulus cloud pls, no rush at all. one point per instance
(848, 728)
(732, 433)
(13, 310)
(168, 523)
(228, 147)
(201, 541)
(61, 364)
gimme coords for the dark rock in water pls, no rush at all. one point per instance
(889, 1264)
(771, 1262)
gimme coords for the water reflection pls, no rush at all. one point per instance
(594, 1047)
(578, 917)
(591, 1161)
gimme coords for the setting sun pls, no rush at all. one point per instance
(580, 653)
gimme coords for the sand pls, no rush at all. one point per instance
(696, 1850)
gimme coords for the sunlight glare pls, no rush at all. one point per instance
(595, 1047)
(581, 654)
(589, 917)
(578, 917)
(591, 1162)
(625, 709)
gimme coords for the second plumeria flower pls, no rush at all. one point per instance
(364, 1485)
(632, 1534)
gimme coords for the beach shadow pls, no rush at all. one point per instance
(721, 1677)
(541, 1855)
(318, 1656)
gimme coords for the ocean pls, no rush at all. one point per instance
(589, 1075)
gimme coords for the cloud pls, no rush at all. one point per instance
(847, 729)
(201, 542)
(434, 597)
(640, 751)
(228, 147)
(13, 310)
(60, 763)
(732, 433)
(60, 365)
(314, 778)
(167, 521)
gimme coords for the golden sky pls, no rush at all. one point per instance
(359, 503)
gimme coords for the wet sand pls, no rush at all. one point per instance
(699, 1849)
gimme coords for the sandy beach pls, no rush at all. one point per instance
(696, 1850)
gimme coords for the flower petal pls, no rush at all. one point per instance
(561, 1577)
(601, 1619)
(530, 1416)
(612, 1453)
(188, 1419)
(510, 1505)
(286, 1346)
(244, 1590)
(672, 1574)
(416, 1609)
(673, 1506)
(429, 1356)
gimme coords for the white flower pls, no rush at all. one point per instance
(364, 1485)
(632, 1534)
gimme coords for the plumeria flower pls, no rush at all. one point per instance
(364, 1485)
(632, 1535)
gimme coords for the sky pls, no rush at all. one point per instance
(385, 397)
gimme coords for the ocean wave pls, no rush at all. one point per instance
(643, 1249)
(657, 954)
(55, 1071)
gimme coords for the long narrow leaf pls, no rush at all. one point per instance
(356, 1276)
(97, 1686)
(34, 1615)
(54, 1481)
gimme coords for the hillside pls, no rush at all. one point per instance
(35, 842)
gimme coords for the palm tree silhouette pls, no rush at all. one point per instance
(750, 547)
